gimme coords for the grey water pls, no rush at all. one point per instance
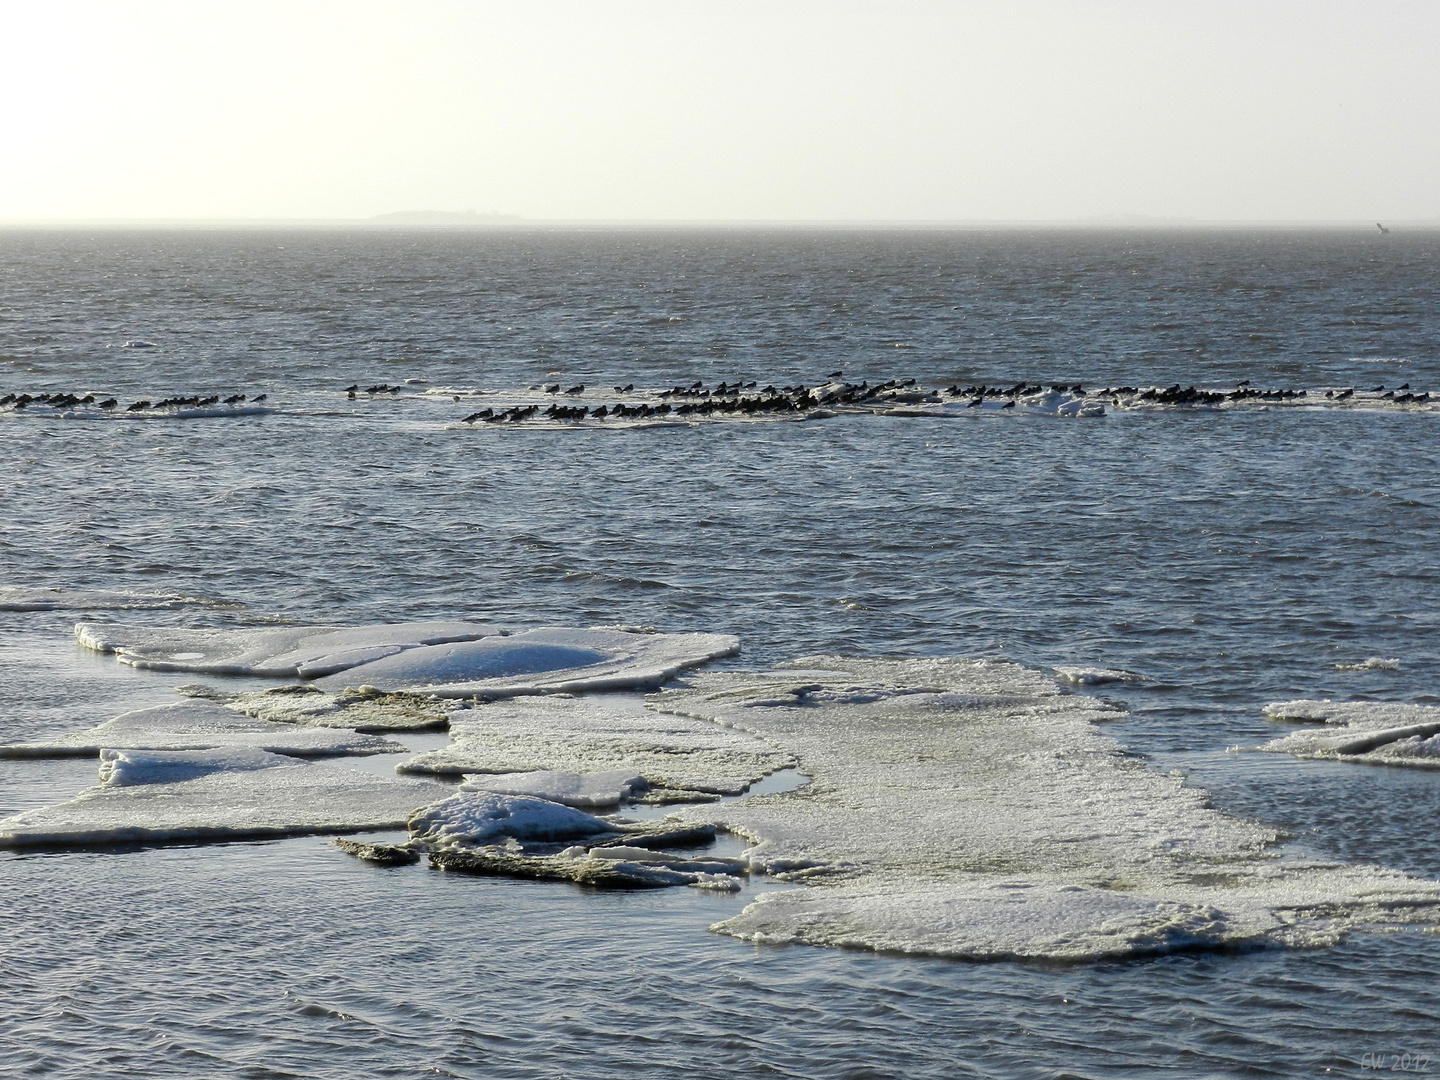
(1231, 557)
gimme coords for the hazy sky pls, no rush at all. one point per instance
(780, 109)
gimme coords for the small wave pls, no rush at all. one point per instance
(19, 598)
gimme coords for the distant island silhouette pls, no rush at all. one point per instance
(444, 217)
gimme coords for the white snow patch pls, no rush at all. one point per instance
(305, 652)
(481, 817)
(571, 789)
(608, 733)
(202, 725)
(545, 661)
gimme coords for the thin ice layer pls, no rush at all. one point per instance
(476, 818)
(570, 789)
(287, 798)
(201, 725)
(986, 816)
(306, 652)
(1374, 732)
(545, 661)
(601, 734)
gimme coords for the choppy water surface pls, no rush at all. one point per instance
(1234, 558)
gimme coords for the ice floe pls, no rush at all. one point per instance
(445, 659)
(225, 796)
(988, 817)
(202, 725)
(593, 789)
(1375, 732)
(18, 598)
(305, 652)
(543, 661)
(601, 734)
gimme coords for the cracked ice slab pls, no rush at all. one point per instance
(970, 809)
(305, 652)
(226, 794)
(202, 725)
(1375, 732)
(601, 734)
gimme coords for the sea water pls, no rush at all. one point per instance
(1230, 557)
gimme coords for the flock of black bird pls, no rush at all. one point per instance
(73, 401)
(741, 398)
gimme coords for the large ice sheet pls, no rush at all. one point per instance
(601, 734)
(282, 798)
(987, 816)
(1375, 732)
(545, 661)
(305, 652)
(591, 789)
(200, 725)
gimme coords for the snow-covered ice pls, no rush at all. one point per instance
(601, 734)
(1375, 732)
(305, 652)
(989, 817)
(447, 659)
(591, 789)
(249, 797)
(545, 661)
(475, 818)
(201, 725)
(125, 768)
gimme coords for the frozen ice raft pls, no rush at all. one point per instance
(986, 816)
(1375, 732)
(202, 725)
(150, 797)
(544, 661)
(306, 652)
(605, 734)
(445, 659)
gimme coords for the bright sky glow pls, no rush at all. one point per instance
(666, 109)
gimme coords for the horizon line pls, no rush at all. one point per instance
(401, 221)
